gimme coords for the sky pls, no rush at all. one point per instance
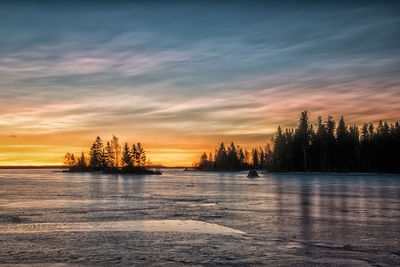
(182, 76)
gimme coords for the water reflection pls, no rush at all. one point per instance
(332, 209)
(306, 219)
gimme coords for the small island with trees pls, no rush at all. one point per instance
(110, 159)
(330, 148)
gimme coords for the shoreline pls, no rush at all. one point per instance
(305, 173)
(131, 170)
(34, 167)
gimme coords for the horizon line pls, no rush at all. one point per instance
(62, 166)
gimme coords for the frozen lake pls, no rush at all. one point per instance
(196, 218)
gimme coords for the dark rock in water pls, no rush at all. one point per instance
(252, 174)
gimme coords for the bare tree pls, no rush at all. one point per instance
(117, 149)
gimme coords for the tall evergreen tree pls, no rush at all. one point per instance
(302, 141)
(109, 155)
(221, 157)
(320, 146)
(330, 143)
(261, 158)
(141, 155)
(279, 150)
(135, 155)
(341, 145)
(232, 158)
(126, 156)
(354, 148)
(96, 154)
(256, 162)
(241, 156)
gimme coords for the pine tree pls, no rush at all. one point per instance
(141, 155)
(255, 158)
(204, 163)
(279, 150)
(96, 154)
(262, 159)
(320, 146)
(109, 155)
(330, 148)
(242, 158)
(302, 141)
(221, 157)
(81, 164)
(232, 158)
(354, 148)
(268, 157)
(126, 156)
(135, 156)
(343, 146)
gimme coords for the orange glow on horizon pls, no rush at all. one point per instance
(38, 155)
(173, 144)
(49, 150)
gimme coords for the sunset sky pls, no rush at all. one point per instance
(182, 76)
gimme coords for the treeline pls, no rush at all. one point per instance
(234, 158)
(330, 148)
(109, 158)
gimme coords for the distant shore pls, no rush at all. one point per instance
(65, 167)
(34, 167)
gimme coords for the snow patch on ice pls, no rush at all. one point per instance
(182, 226)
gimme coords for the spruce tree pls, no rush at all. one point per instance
(255, 158)
(81, 164)
(302, 141)
(96, 154)
(126, 157)
(135, 156)
(110, 155)
(141, 155)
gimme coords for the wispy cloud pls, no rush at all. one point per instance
(189, 75)
(47, 62)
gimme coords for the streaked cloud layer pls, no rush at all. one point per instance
(182, 76)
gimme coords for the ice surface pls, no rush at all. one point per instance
(197, 218)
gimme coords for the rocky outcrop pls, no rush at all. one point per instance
(252, 174)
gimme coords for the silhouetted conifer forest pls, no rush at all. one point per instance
(330, 148)
(110, 158)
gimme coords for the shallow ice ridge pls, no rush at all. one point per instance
(183, 226)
